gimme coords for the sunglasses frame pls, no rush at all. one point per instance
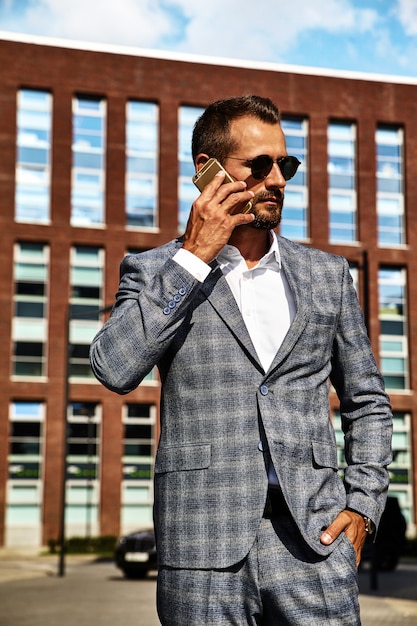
(260, 175)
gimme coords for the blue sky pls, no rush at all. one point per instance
(372, 36)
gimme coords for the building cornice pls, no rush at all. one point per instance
(205, 59)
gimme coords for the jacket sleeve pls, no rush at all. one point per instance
(365, 409)
(151, 303)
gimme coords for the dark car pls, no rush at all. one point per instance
(135, 554)
(384, 553)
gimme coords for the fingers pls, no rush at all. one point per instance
(352, 524)
(214, 216)
(233, 197)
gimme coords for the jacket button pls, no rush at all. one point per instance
(166, 311)
(182, 291)
(264, 390)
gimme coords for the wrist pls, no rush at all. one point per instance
(368, 523)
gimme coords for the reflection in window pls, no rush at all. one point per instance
(295, 214)
(33, 165)
(138, 459)
(141, 164)
(88, 167)
(187, 192)
(23, 512)
(86, 280)
(30, 331)
(83, 456)
(342, 182)
(393, 327)
(390, 193)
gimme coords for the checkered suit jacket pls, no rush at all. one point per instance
(210, 479)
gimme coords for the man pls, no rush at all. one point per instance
(253, 523)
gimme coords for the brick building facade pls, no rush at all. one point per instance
(67, 139)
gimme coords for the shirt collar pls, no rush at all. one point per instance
(229, 256)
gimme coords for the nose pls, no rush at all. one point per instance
(275, 178)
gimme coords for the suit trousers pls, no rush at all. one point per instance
(281, 581)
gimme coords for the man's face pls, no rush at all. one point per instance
(253, 138)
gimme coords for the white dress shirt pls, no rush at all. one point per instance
(265, 300)
(262, 294)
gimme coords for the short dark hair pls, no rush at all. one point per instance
(211, 133)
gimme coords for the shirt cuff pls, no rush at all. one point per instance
(192, 264)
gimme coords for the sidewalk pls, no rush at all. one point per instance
(25, 563)
(393, 603)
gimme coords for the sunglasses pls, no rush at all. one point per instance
(262, 165)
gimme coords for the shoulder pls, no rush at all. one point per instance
(290, 248)
(152, 257)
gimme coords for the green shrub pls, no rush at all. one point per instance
(85, 545)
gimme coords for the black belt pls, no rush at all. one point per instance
(275, 505)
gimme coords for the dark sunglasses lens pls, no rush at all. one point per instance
(261, 166)
(288, 166)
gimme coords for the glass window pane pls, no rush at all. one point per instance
(88, 167)
(295, 216)
(390, 195)
(341, 146)
(34, 147)
(393, 327)
(141, 164)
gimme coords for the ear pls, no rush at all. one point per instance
(201, 160)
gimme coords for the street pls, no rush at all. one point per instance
(94, 593)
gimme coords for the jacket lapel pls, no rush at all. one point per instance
(218, 293)
(296, 265)
(297, 268)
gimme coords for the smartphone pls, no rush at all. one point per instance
(208, 172)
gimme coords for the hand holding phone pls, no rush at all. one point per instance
(208, 172)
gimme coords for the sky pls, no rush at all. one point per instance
(371, 36)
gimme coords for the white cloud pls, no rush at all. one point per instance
(271, 30)
(127, 22)
(214, 27)
(222, 28)
(407, 14)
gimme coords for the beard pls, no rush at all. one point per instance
(267, 218)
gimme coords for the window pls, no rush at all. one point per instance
(30, 321)
(141, 164)
(295, 214)
(25, 460)
(393, 327)
(138, 459)
(187, 192)
(83, 456)
(86, 280)
(33, 165)
(342, 182)
(88, 167)
(390, 192)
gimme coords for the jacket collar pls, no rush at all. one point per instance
(297, 267)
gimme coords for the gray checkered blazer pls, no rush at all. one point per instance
(210, 479)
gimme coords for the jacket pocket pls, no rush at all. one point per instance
(324, 454)
(323, 319)
(182, 458)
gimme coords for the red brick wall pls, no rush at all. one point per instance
(66, 72)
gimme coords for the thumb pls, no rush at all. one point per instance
(333, 531)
